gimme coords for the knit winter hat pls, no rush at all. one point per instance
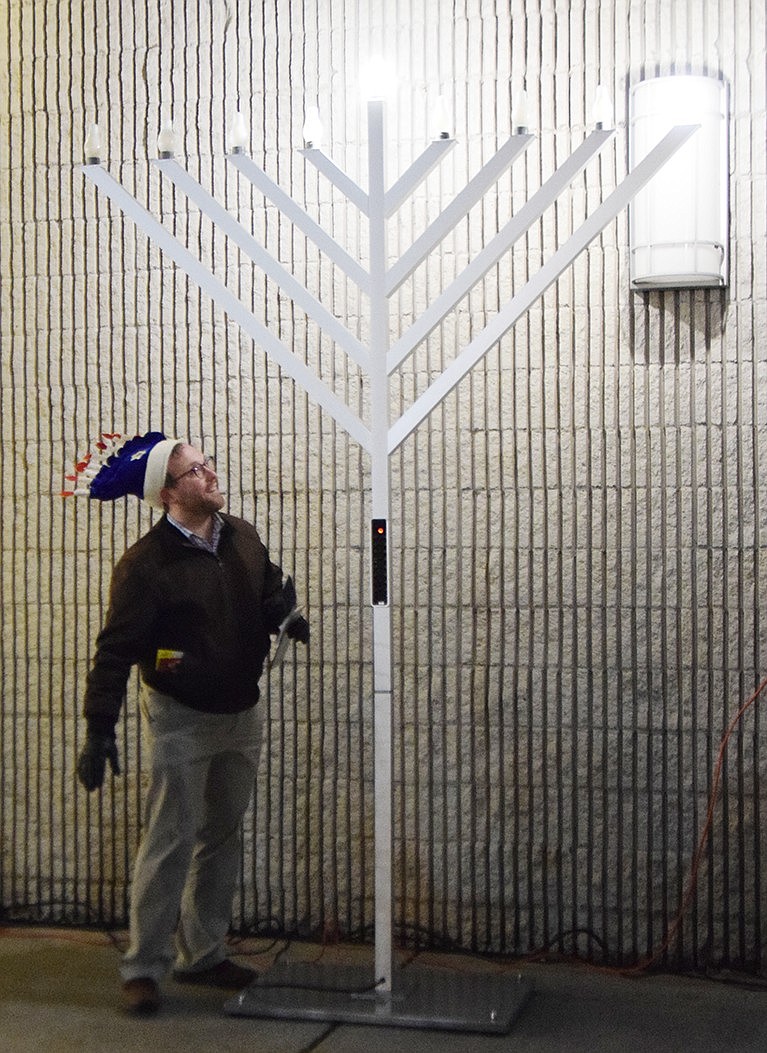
(116, 468)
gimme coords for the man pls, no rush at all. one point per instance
(193, 604)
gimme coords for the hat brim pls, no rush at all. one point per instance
(157, 471)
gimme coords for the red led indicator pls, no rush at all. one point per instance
(380, 570)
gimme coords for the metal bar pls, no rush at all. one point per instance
(301, 219)
(337, 177)
(481, 264)
(490, 172)
(538, 284)
(263, 259)
(229, 303)
(416, 173)
(380, 508)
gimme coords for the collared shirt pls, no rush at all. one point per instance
(209, 546)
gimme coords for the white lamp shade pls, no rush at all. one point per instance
(678, 224)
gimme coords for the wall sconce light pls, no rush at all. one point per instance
(678, 224)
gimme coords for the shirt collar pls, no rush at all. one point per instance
(201, 542)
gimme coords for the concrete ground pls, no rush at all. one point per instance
(59, 993)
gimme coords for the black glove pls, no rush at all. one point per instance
(298, 629)
(279, 605)
(99, 747)
(289, 594)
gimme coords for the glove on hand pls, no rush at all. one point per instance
(98, 748)
(298, 629)
(289, 594)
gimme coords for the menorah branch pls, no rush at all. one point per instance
(300, 219)
(537, 285)
(229, 303)
(489, 174)
(477, 268)
(263, 259)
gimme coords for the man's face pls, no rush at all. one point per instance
(195, 489)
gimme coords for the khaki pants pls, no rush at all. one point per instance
(202, 771)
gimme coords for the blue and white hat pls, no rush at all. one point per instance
(115, 468)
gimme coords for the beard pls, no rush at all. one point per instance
(213, 500)
(205, 503)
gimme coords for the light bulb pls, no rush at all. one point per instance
(239, 134)
(167, 143)
(312, 130)
(602, 110)
(521, 117)
(93, 146)
(441, 119)
(375, 78)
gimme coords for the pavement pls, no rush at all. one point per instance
(60, 993)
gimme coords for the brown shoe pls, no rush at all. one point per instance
(142, 996)
(226, 974)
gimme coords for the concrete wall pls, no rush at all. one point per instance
(578, 556)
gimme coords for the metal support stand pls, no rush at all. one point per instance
(421, 997)
(412, 997)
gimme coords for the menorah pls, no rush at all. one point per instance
(415, 996)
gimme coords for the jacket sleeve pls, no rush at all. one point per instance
(122, 642)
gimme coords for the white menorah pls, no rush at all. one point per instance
(416, 1000)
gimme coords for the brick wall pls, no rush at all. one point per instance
(577, 548)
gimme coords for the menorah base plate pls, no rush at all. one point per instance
(421, 997)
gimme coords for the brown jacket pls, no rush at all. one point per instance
(197, 625)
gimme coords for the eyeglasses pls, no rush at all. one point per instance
(199, 469)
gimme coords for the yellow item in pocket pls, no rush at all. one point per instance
(167, 661)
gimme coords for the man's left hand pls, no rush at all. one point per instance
(298, 630)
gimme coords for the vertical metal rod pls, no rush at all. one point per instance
(380, 508)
